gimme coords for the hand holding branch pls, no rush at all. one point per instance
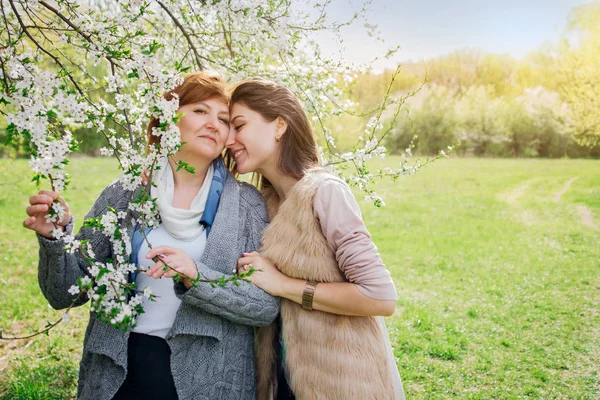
(267, 276)
(170, 261)
(40, 207)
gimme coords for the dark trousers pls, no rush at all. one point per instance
(148, 370)
(284, 392)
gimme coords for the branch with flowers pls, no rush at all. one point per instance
(104, 66)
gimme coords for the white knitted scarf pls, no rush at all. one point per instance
(181, 224)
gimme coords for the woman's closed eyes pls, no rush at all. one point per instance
(202, 111)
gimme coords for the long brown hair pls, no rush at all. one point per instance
(297, 147)
(196, 87)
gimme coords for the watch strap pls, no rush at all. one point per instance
(308, 294)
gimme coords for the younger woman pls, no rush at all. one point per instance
(317, 256)
(192, 342)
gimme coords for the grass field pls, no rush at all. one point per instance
(496, 263)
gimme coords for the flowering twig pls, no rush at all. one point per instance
(49, 325)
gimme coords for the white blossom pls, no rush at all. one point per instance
(148, 292)
(85, 281)
(57, 233)
(74, 290)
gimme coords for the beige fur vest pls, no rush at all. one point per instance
(328, 356)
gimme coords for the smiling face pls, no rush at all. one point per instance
(204, 128)
(253, 141)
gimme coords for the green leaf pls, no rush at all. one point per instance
(133, 74)
(177, 117)
(36, 178)
(92, 222)
(185, 166)
(12, 132)
(179, 67)
(152, 48)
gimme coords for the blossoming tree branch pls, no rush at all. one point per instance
(104, 65)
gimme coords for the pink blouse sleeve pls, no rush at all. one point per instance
(339, 215)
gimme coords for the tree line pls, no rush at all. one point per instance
(545, 105)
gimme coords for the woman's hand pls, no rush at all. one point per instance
(266, 275)
(40, 205)
(179, 261)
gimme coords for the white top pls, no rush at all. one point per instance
(159, 314)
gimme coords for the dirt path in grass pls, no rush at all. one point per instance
(585, 214)
(564, 189)
(515, 193)
(512, 195)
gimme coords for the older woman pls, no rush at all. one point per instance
(192, 342)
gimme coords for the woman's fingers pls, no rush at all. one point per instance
(41, 203)
(46, 197)
(37, 209)
(156, 251)
(50, 193)
(244, 269)
(28, 223)
(40, 199)
(171, 272)
(176, 260)
(156, 270)
(160, 270)
(244, 261)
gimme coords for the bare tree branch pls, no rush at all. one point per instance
(185, 34)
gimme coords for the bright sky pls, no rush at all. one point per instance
(429, 28)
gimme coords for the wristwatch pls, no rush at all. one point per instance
(308, 294)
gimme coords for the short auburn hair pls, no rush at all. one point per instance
(196, 87)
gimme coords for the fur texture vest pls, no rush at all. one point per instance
(327, 356)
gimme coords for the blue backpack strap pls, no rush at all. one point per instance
(214, 194)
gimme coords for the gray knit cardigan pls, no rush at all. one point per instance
(212, 338)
